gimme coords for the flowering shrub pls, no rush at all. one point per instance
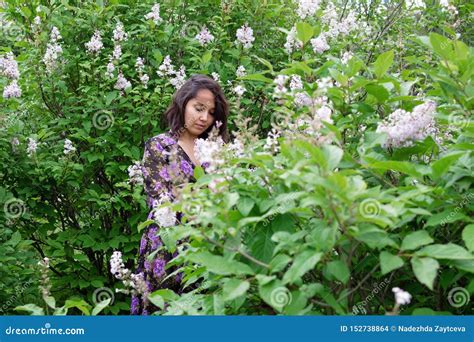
(348, 178)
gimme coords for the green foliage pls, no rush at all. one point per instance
(313, 229)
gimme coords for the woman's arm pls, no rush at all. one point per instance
(157, 181)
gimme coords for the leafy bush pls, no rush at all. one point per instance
(325, 208)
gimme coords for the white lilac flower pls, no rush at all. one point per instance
(119, 33)
(237, 148)
(348, 24)
(110, 70)
(404, 128)
(302, 99)
(292, 43)
(216, 76)
(95, 44)
(154, 14)
(209, 153)
(415, 3)
(346, 57)
(32, 146)
(55, 36)
(401, 297)
(35, 26)
(53, 50)
(239, 90)
(320, 44)
(324, 83)
(117, 53)
(117, 266)
(51, 56)
(204, 37)
(135, 173)
(324, 114)
(245, 36)
(271, 144)
(11, 90)
(68, 148)
(122, 83)
(166, 68)
(9, 66)
(307, 8)
(180, 78)
(296, 82)
(139, 64)
(241, 72)
(144, 79)
(164, 216)
(280, 81)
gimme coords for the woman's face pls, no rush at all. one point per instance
(199, 112)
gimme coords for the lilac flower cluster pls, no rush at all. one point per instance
(204, 37)
(95, 44)
(245, 36)
(53, 50)
(9, 69)
(403, 128)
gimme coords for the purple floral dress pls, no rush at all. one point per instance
(166, 167)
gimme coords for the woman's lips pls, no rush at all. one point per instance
(200, 126)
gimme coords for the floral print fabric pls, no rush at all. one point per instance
(166, 168)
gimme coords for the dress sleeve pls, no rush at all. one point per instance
(157, 182)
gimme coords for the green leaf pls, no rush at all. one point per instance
(303, 262)
(401, 166)
(157, 300)
(198, 172)
(219, 265)
(79, 304)
(449, 251)
(206, 57)
(234, 288)
(304, 31)
(279, 262)
(245, 205)
(415, 240)
(339, 270)
(425, 270)
(389, 262)
(34, 309)
(468, 237)
(50, 301)
(442, 46)
(145, 224)
(100, 306)
(273, 292)
(383, 63)
(441, 166)
(257, 77)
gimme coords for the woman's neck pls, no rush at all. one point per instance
(187, 138)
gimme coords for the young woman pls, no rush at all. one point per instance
(168, 163)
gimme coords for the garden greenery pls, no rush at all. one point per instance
(348, 178)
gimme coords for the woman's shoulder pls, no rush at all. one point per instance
(161, 140)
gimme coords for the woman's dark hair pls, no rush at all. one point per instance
(175, 112)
